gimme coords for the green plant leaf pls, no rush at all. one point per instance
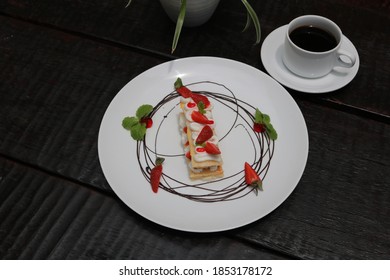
(178, 83)
(265, 120)
(253, 16)
(138, 131)
(201, 107)
(248, 22)
(143, 111)
(258, 116)
(128, 122)
(271, 131)
(128, 4)
(179, 24)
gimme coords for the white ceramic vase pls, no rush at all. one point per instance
(197, 11)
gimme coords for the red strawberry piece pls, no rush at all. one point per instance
(191, 105)
(200, 98)
(200, 149)
(212, 148)
(147, 121)
(205, 134)
(252, 178)
(185, 129)
(200, 118)
(258, 127)
(184, 91)
(155, 174)
(188, 155)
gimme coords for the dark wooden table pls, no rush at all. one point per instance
(61, 64)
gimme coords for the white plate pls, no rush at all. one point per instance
(271, 56)
(121, 167)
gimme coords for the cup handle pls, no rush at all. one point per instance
(345, 59)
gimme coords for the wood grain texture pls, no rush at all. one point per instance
(145, 26)
(339, 209)
(56, 85)
(46, 217)
(56, 89)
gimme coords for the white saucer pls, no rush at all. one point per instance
(271, 55)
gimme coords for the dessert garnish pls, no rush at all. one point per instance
(252, 178)
(211, 149)
(138, 124)
(262, 123)
(200, 118)
(155, 174)
(187, 93)
(205, 134)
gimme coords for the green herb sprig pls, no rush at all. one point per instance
(265, 120)
(135, 125)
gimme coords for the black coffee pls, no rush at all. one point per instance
(313, 39)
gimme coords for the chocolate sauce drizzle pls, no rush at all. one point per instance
(233, 185)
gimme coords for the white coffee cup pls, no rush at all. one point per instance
(314, 61)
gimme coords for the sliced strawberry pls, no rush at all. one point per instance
(191, 104)
(184, 91)
(205, 134)
(200, 149)
(200, 98)
(188, 155)
(200, 118)
(155, 174)
(212, 148)
(147, 121)
(252, 178)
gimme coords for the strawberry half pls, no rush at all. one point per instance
(200, 118)
(185, 92)
(155, 174)
(200, 98)
(252, 178)
(205, 134)
(212, 149)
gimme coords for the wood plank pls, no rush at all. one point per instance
(51, 122)
(145, 26)
(340, 208)
(46, 217)
(56, 89)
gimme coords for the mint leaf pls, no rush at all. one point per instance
(178, 83)
(258, 116)
(128, 122)
(138, 131)
(273, 135)
(144, 110)
(266, 119)
(201, 107)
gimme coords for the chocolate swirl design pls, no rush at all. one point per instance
(233, 185)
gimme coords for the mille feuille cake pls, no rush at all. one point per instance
(198, 136)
